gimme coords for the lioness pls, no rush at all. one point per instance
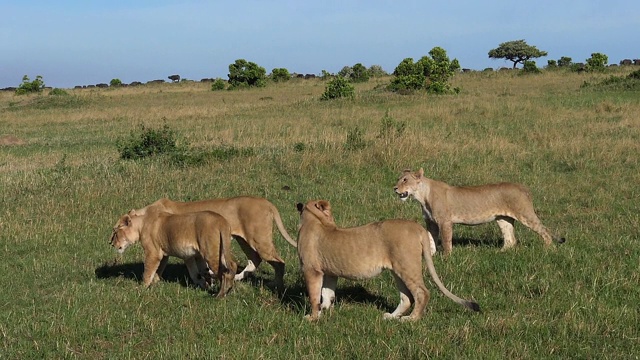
(444, 205)
(327, 252)
(202, 239)
(251, 221)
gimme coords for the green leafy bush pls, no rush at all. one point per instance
(280, 75)
(115, 83)
(431, 73)
(58, 92)
(338, 87)
(630, 82)
(530, 67)
(148, 142)
(597, 62)
(218, 84)
(29, 87)
(359, 73)
(245, 73)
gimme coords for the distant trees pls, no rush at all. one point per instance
(115, 82)
(597, 62)
(431, 72)
(280, 75)
(516, 51)
(29, 87)
(245, 73)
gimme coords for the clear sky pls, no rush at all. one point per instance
(88, 42)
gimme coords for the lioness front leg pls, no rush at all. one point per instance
(151, 264)
(446, 236)
(313, 279)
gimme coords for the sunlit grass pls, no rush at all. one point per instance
(67, 294)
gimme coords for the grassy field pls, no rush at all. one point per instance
(67, 294)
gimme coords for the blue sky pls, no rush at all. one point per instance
(88, 42)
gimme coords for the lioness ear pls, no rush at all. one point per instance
(127, 220)
(420, 173)
(325, 207)
(405, 171)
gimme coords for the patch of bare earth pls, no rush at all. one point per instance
(9, 140)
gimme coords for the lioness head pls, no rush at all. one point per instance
(407, 183)
(320, 209)
(123, 234)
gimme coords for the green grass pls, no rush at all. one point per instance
(66, 294)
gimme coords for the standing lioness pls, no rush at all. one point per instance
(201, 239)
(444, 205)
(251, 221)
(327, 252)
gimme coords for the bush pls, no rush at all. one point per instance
(430, 72)
(148, 142)
(346, 72)
(218, 84)
(359, 73)
(530, 67)
(280, 75)
(29, 87)
(244, 74)
(377, 71)
(597, 62)
(338, 87)
(115, 82)
(58, 92)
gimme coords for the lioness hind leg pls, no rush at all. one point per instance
(194, 272)
(506, 226)
(253, 262)
(532, 221)
(418, 295)
(328, 294)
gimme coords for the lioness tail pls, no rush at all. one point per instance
(426, 253)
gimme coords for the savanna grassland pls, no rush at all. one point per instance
(65, 293)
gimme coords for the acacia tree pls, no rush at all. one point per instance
(517, 51)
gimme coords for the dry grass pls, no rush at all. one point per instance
(62, 190)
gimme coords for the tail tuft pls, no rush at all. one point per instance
(560, 240)
(473, 306)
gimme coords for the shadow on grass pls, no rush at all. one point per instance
(296, 299)
(172, 273)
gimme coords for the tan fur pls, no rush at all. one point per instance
(444, 205)
(251, 221)
(327, 252)
(201, 239)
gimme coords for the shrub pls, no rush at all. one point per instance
(244, 73)
(530, 67)
(564, 61)
(148, 142)
(28, 87)
(338, 87)
(430, 72)
(115, 82)
(218, 84)
(377, 71)
(280, 75)
(359, 73)
(58, 92)
(597, 62)
(346, 72)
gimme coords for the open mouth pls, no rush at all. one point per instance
(403, 195)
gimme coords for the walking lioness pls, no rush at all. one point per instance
(251, 221)
(444, 205)
(201, 239)
(327, 252)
